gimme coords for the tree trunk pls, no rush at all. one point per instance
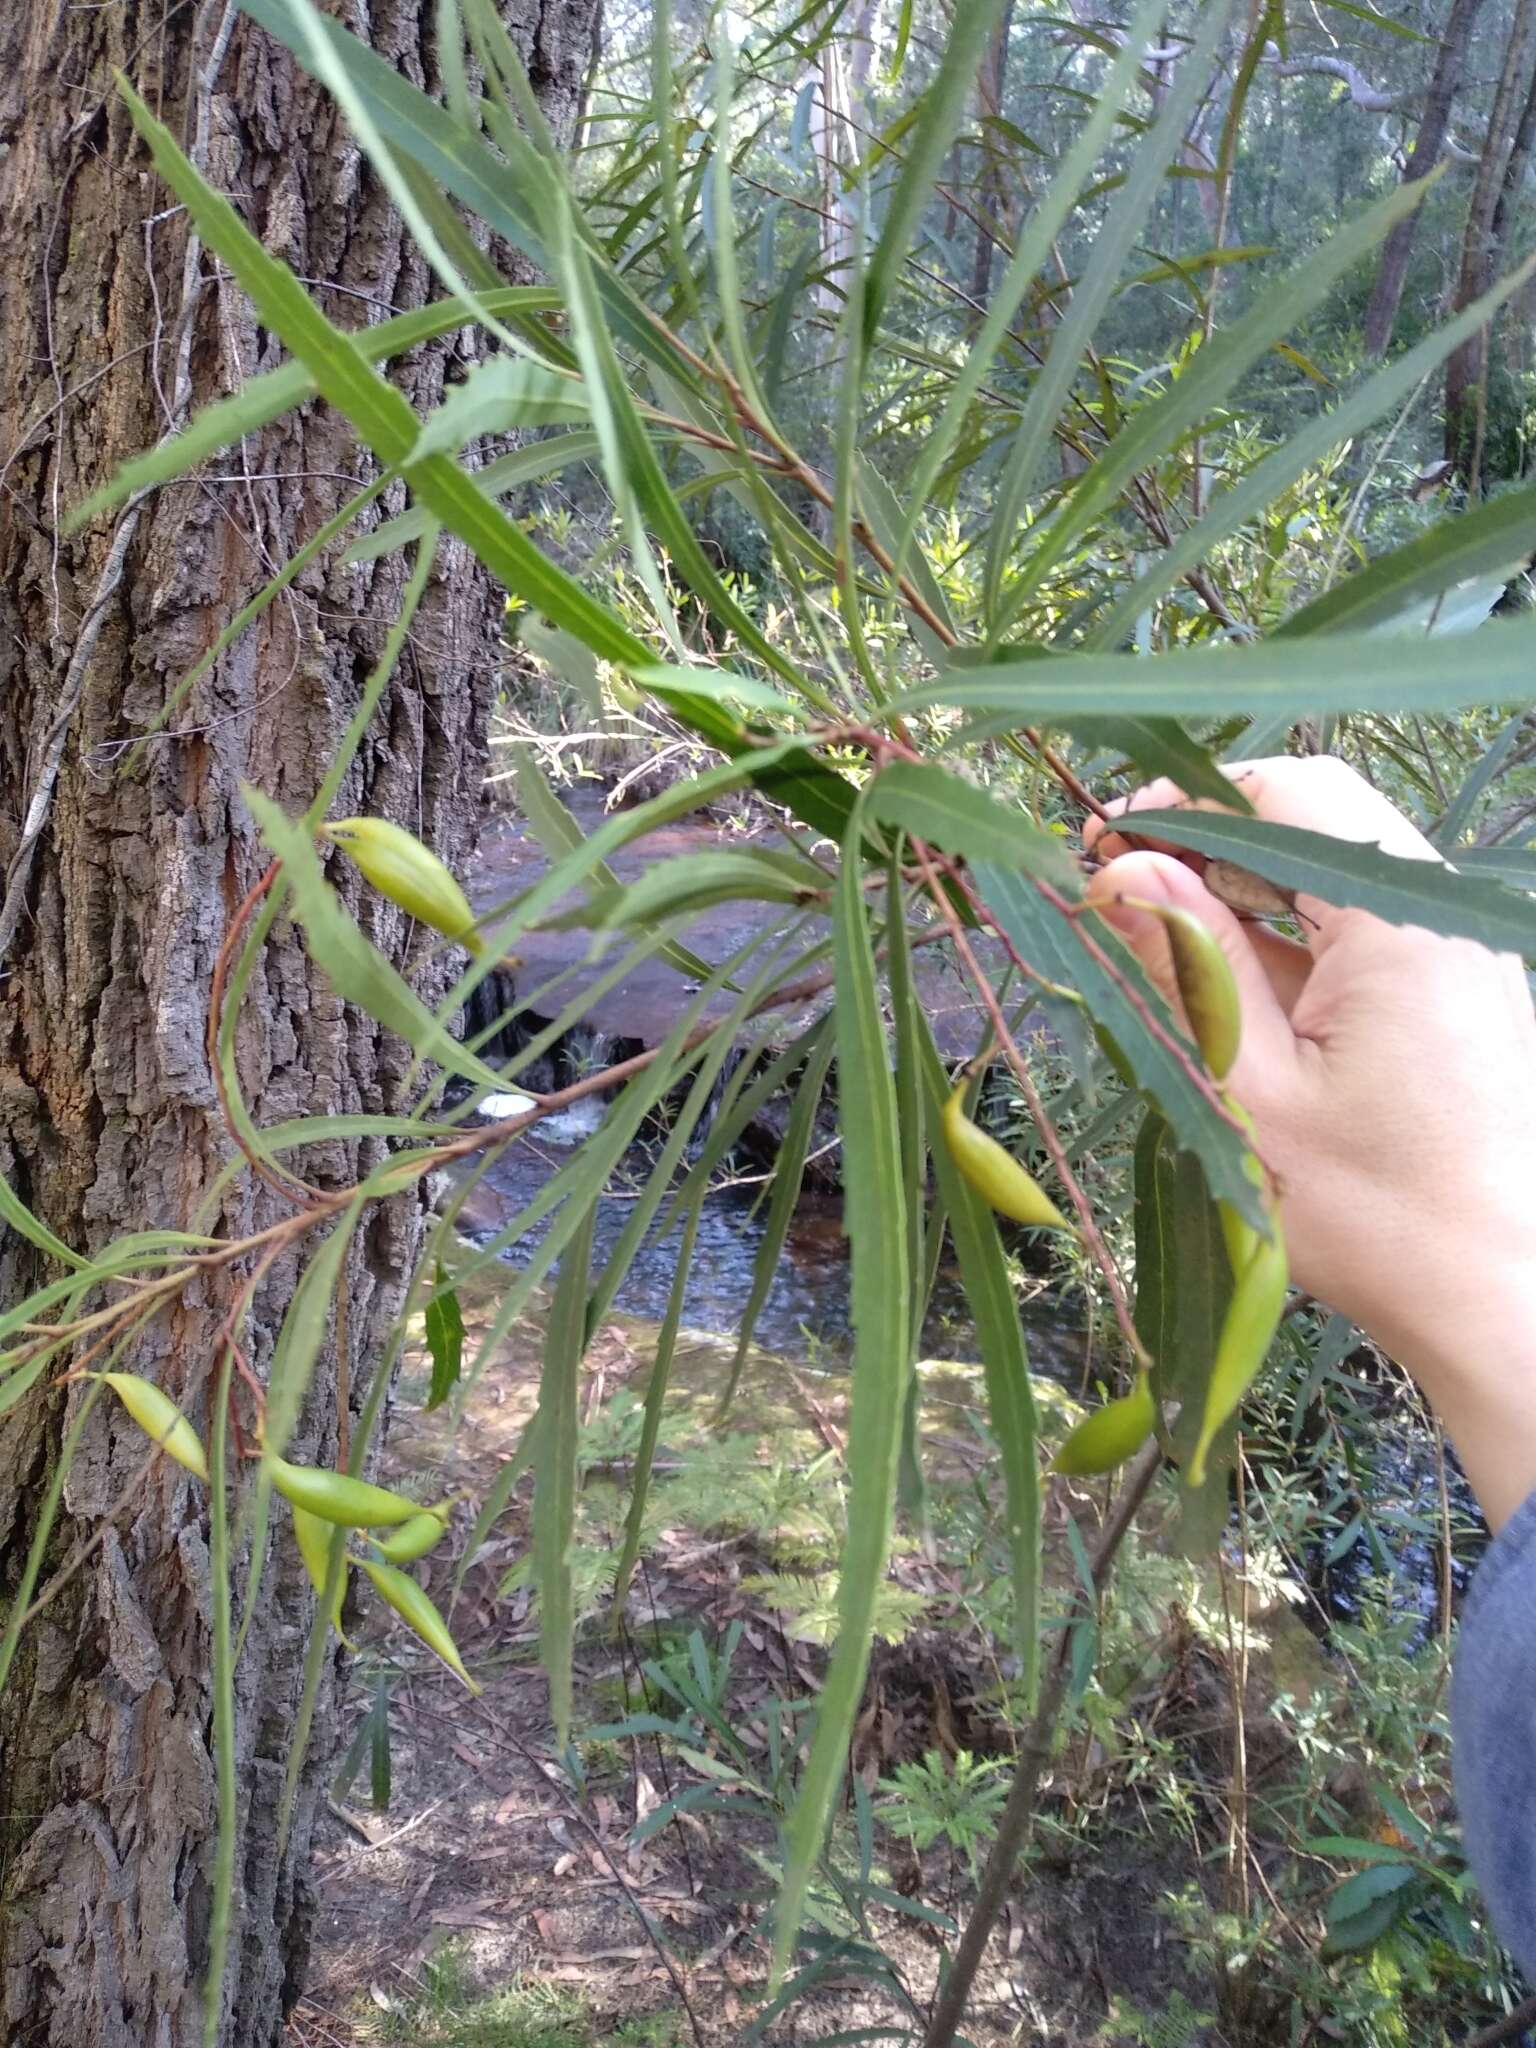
(1397, 251)
(1512, 184)
(1465, 369)
(1516, 322)
(992, 198)
(111, 322)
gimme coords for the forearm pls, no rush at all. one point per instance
(1475, 1360)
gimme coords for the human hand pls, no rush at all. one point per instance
(1391, 1077)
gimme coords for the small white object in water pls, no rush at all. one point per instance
(570, 1126)
(495, 1107)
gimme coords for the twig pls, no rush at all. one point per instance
(799, 471)
(290, 1186)
(1017, 1819)
(1092, 1236)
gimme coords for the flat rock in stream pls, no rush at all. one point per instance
(646, 1003)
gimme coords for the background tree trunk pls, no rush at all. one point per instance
(1428, 146)
(1465, 369)
(109, 321)
(995, 208)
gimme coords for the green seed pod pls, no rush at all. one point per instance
(1240, 1237)
(1247, 1331)
(313, 1537)
(396, 863)
(414, 1538)
(994, 1173)
(418, 1614)
(1207, 986)
(1207, 989)
(160, 1419)
(338, 1497)
(1108, 1436)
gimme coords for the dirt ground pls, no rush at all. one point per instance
(486, 1850)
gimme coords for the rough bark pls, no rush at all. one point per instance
(1466, 367)
(1428, 148)
(108, 319)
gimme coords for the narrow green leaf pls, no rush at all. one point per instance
(934, 804)
(788, 1179)
(20, 1382)
(1159, 746)
(1084, 954)
(302, 1335)
(523, 465)
(1363, 672)
(1267, 481)
(499, 394)
(445, 1340)
(560, 836)
(494, 1506)
(1472, 543)
(655, 1403)
(1005, 1363)
(942, 106)
(225, 1765)
(380, 414)
(711, 1063)
(693, 881)
(14, 1211)
(1354, 876)
(266, 398)
(353, 965)
(555, 1472)
(1113, 243)
(420, 204)
(634, 473)
(875, 1202)
(750, 1086)
(293, 568)
(1206, 379)
(1448, 827)
(579, 1182)
(379, 1746)
(886, 520)
(47, 1511)
(668, 680)
(1183, 1284)
(1514, 866)
(922, 1245)
(1031, 252)
(759, 765)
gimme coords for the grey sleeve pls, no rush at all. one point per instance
(1493, 1727)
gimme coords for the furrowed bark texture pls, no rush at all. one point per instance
(108, 1120)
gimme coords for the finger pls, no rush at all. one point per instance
(1317, 793)
(1287, 963)
(1099, 835)
(1268, 1046)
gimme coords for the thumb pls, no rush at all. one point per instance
(1114, 890)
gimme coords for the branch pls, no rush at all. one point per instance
(1361, 91)
(1017, 1820)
